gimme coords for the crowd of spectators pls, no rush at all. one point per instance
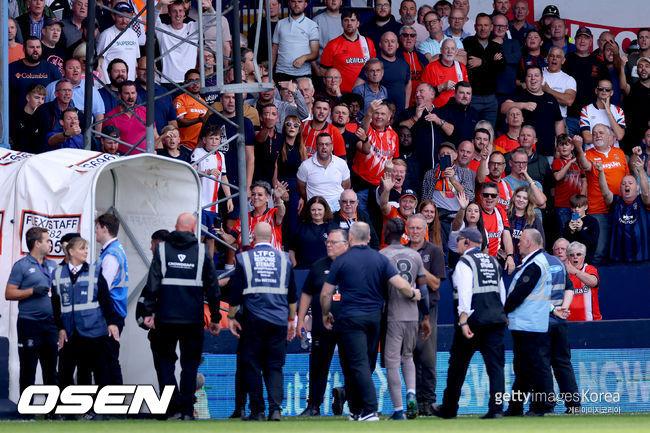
(492, 122)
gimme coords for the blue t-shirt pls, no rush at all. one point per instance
(27, 273)
(22, 76)
(361, 274)
(164, 107)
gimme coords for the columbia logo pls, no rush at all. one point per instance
(181, 257)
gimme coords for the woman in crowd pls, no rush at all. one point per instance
(308, 243)
(260, 196)
(522, 216)
(293, 153)
(585, 279)
(171, 141)
(469, 216)
(430, 212)
(85, 315)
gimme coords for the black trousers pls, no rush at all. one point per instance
(320, 358)
(114, 369)
(424, 357)
(263, 352)
(532, 372)
(190, 339)
(359, 338)
(37, 341)
(557, 354)
(487, 339)
(88, 356)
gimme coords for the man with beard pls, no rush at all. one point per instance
(118, 71)
(349, 52)
(191, 112)
(341, 120)
(408, 12)
(445, 73)
(318, 125)
(29, 70)
(459, 113)
(429, 129)
(381, 22)
(415, 59)
(72, 71)
(130, 121)
(164, 113)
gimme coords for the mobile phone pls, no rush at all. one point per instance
(445, 162)
(575, 216)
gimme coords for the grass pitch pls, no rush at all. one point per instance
(466, 424)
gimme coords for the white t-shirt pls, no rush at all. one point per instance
(183, 57)
(126, 48)
(560, 82)
(324, 181)
(591, 116)
(209, 188)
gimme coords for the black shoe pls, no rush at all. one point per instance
(274, 416)
(338, 400)
(254, 417)
(424, 408)
(238, 413)
(532, 413)
(436, 410)
(310, 411)
(513, 412)
(493, 415)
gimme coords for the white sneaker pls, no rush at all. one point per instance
(372, 416)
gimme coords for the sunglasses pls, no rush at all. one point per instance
(409, 35)
(290, 124)
(604, 89)
(489, 195)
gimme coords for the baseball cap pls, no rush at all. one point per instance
(408, 192)
(471, 234)
(644, 59)
(584, 31)
(111, 131)
(52, 21)
(448, 144)
(551, 11)
(124, 7)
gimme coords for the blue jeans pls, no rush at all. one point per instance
(602, 247)
(362, 196)
(563, 215)
(487, 106)
(572, 126)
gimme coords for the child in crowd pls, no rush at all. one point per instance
(569, 177)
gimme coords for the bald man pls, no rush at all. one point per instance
(263, 283)
(174, 298)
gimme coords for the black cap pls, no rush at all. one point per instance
(111, 130)
(408, 192)
(448, 144)
(584, 31)
(52, 21)
(471, 234)
(551, 11)
(124, 7)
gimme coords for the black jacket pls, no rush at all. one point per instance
(175, 302)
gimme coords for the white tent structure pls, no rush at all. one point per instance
(64, 191)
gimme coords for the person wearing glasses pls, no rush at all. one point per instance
(408, 12)
(604, 112)
(519, 176)
(496, 168)
(538, 166)
(415, 59)
(497, 227)
(381, 22)
(349, 214)
(457, 19)
(431, 47)
(445, 73)
(324, 341)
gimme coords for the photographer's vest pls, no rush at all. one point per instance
(80, 310)
(486, 300)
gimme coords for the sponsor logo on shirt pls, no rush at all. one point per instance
(354, 60)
